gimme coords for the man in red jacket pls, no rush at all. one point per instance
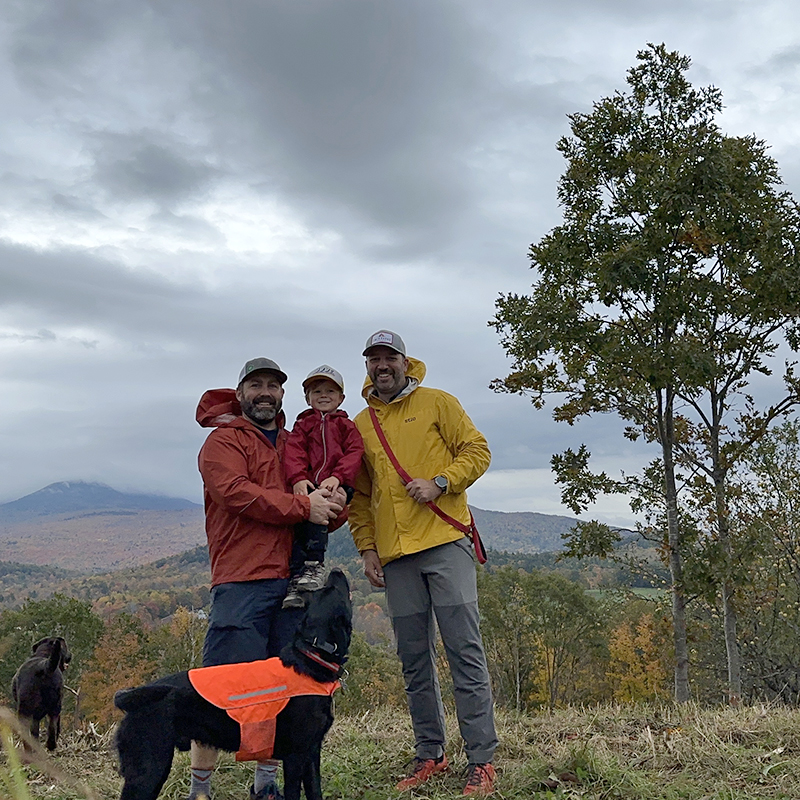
(250, 513)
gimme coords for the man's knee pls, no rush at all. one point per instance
(229, 644)
(413, 634)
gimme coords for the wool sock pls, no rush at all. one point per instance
(201, 783)
(266, 775)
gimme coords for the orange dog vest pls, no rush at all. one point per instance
(253, 694)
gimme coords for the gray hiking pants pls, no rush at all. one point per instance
(442, 581)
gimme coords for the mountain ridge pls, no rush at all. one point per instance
(90, 527)
(67, 496)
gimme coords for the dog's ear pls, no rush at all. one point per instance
(337, 578)
(66, 655)
(38, 644)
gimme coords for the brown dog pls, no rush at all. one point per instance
(38, 687)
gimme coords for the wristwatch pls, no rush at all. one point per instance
(441, 482)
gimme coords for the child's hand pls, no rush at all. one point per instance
(303, 487)
(330, 484)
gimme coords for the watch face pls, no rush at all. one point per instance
(441, 482)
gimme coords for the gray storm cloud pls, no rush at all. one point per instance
(187, 184)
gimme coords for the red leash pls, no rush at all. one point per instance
(468, 530)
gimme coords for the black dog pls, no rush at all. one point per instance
(38, 687)
(169, 713)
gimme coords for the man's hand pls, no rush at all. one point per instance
(331, 484)
(373, 569)
(303, 487)
(339, 496)
(423, 491)
(324, 509)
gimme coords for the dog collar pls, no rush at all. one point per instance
(337, 669)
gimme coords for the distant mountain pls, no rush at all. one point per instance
(89, 527)
(521, 531)
(73, 496)
(513, 532)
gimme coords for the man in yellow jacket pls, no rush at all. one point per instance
(424, 562)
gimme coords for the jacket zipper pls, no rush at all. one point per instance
(324, 450)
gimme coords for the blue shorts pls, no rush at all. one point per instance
(247, 623)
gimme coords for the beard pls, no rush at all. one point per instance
(397, 379)
(261, 414)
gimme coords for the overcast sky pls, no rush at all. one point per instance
(186, 184)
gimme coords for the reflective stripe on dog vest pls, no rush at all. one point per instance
(253, 694)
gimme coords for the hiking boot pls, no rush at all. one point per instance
(480, 780)
(293, 598)
(269, 792)
(312, 578)
(421, 770)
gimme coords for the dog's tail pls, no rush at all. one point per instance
(131, 699)
(54, 662)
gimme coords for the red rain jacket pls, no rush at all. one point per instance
(250, 509)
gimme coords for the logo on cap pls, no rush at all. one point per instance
(267, 364)
(382, 338)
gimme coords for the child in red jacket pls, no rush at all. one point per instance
(323, 450)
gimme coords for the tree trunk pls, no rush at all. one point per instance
(731, 644)
(728, 590)
(729, 619)
(667, 435)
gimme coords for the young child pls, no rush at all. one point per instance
(323, 450)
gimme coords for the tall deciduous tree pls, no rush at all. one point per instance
(665, 288)
(121, 659)
(542, 632)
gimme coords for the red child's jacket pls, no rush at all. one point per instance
(321, 446)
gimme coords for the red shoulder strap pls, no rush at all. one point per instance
(468, 530)
(406, 478)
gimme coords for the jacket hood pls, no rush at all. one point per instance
(416, 370)
(218, 407)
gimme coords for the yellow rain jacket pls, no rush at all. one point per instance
(430, 434)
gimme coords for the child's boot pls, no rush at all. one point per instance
(312, 577)
(293, 597)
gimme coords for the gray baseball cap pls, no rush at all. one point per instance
(261, 365)
(327, 372)
(387, 339)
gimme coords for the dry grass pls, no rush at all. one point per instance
(603, 753)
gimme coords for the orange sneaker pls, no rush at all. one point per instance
(421, 770)
(480, 781)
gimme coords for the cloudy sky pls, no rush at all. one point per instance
(186, 184)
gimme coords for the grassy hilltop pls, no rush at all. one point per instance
(603, 753)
